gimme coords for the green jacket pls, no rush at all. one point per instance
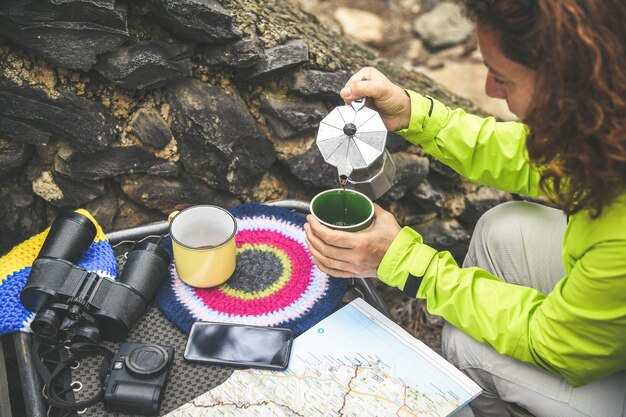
(577, 331)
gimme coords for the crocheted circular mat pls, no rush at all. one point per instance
(275, 283)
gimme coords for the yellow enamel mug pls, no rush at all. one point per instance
(203, 240)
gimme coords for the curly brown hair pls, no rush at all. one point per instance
(578, 117)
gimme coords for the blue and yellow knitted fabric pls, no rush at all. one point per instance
(15, 268)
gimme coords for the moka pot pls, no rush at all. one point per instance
(352, 138)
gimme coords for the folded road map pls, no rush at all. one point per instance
(355, 362)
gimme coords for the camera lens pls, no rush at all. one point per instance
(146, 361)
(69, 237)
(46, 323)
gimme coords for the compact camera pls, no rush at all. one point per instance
(136, 381)
(77, 305)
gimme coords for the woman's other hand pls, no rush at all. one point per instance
(345, 254)
(387, 98)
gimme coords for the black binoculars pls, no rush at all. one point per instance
(74, 304)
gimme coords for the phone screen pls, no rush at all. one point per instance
(239, 345)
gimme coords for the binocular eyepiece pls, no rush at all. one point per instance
(82, 305)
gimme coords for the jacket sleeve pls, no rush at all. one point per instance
(575, 331)
(460, 294)
(480, 149)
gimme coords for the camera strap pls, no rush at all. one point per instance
(53, 353)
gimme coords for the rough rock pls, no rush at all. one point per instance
(239, 54)
(360, 25)
(104, 209)
(270, 188)
(218, 139)
(277, 60)
(147, 64)
(443, 170)
(443, 26)
(411, 170)
(319, 84)
(150, 128)
(288, 117)
(311, 168)
(70, 33)
(428, 200)
(167, 195)
(478, 200)
(107, 163)
(29, 114)
(67, 192)
(131, 214)
(22, 217)
(13, 155)
(396, 142)
(204, 21)
(165, 169)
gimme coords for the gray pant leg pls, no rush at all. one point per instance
(521, 243)
(506, 380)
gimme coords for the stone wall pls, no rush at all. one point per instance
(135, 109)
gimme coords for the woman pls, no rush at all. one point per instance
(537, 313)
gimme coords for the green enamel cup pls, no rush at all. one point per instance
(340, 209)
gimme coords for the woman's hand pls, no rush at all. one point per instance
(351, 254)
(387, 98)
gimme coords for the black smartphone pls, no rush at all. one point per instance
(239, 345)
